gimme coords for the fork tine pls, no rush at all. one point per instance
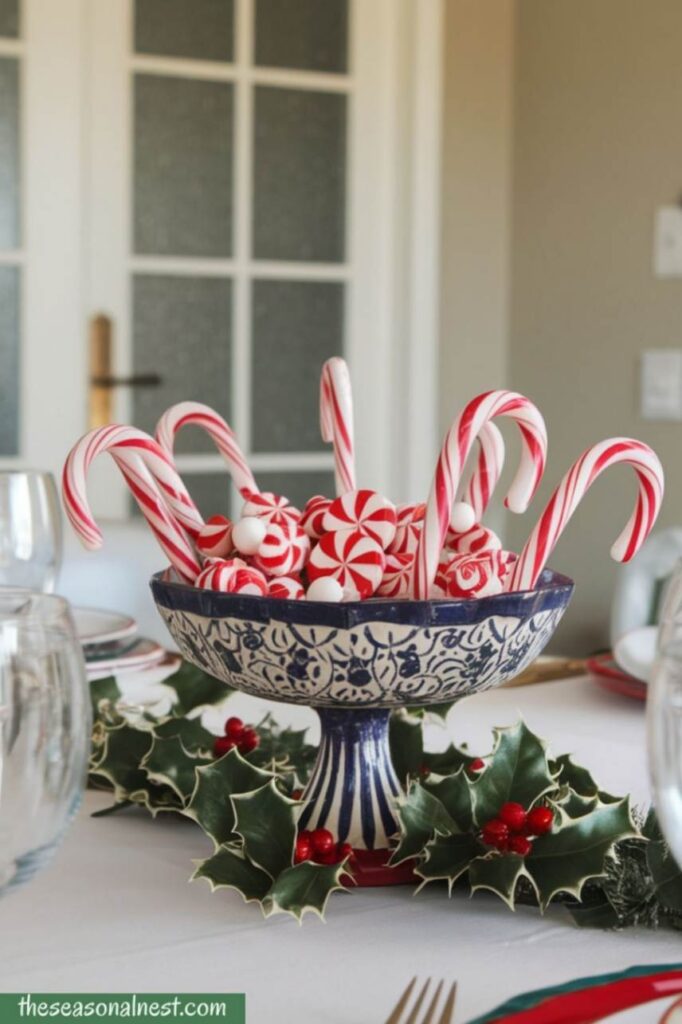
(448, 1013)
(434, 1003)
(402, 1002)
(412, 1019)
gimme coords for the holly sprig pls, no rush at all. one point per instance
(518, 823)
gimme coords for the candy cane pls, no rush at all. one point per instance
(483, 481)
(456, 447)
(198, 415)
(570, 493)
(336, 421)
(141, 461)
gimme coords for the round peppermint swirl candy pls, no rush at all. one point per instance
(313, 515)
(285, 549)
(288, 588)
(397, 576)
(366, 511)
(352, 558)
(476, 576)
(479, 538)
(218, 573)
(215, 537)
(248, 581)
(408, 529)
(273, 508)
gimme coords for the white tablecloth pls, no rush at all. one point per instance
(115, 912)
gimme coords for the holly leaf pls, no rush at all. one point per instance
(285, 750)
(572, 805)
(499, 874)
(265, 821)
(104, 691)
(420, 814)
(406, 742)
(194, 689)
(194, 737)
(448, 857)
(303, 888)
(564, 860)
(228, 868)
(666, 875)
(454, 793)
(447, 761)
(169, 764)
(518, 770)
(119, 759)
(579, 779)
(209, 804)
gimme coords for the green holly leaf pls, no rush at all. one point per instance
(666, 875)
(572, 805)
(420, 814)
(194, 689)
(104, 691)
(284, 750)
(499, 874)
(303, 888)
(406, 742)
(447, 761)
(518, 770)
(168, 763)
(194, 737)
(454, 793)
(228, 868)
(565, 859)
(579, 779)
(265, 821)
(210, 804)
(118, 760)
(448, 857)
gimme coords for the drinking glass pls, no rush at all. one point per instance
(45, 730)
(30, 530)
(664, 717)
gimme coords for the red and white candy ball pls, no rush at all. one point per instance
(473, 576)
(366, 511)
(273, 508)
(397, 578)
(408, 530)
(472, 542)
(288, 588)
(232, 576)
(284, 549)
(352, 558)
(312, 517)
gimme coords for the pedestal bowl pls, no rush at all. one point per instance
(355, 662)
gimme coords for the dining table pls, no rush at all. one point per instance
(116, 911)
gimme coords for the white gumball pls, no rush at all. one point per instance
(462, 517)
(325, 588)
(248, 534)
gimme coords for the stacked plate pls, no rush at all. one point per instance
(628, 670)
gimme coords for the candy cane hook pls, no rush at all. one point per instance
(336, 421)
(572, 490)
(484, 479)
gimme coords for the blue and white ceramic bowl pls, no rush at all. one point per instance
(354, 663)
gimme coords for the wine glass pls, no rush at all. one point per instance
(664, 717)
(45, 730)
(30, 530)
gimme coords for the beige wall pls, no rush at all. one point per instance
(597, 146)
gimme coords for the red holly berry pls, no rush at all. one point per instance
(296, 794)
(495, 833)
(234, 727)
(540, 821)
(514, 816)
(477, 765)
(344, 850)
(222, 745)
(304, 849)
(249, 741)
(330, 857)
(520, 845)
(322, 842)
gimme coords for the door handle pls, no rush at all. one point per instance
(102, 381)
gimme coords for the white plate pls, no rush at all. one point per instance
(98, 626)
(144, 691)
(142, 653)
(635, 652)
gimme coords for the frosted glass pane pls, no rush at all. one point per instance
(297, 325)
(302, 34)
(9, 18)
(183, 166)
(9, 153)
(299, 209)
(297, 486)
(201, 29)
(9, 360)
(182, 330)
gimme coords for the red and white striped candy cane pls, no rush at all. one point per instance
(456, 447)
(197, 414)
(336, 421)
(571, 491)
(140, 460)
(489, 464)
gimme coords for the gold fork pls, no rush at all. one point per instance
(447, 1013)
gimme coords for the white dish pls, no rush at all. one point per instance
(141, 654)
(98, 626)
(635, 652)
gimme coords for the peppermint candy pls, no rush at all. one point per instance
(479, 538)
(287, 587)
(248, 581)
(352, 558)
(408, 529)
(217, 574)
(285, 549)
(366, 511)
(214, 539)
(397, 576)
(313, 516)
(272, 507)
(474, 576)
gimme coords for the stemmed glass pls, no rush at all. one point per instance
(30, 530)
(45, 729)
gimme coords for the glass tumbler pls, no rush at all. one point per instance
(30, 530)
(45, 730)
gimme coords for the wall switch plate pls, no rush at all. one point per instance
(661, 394)
(668, 242)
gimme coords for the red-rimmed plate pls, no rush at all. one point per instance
(610, 677)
